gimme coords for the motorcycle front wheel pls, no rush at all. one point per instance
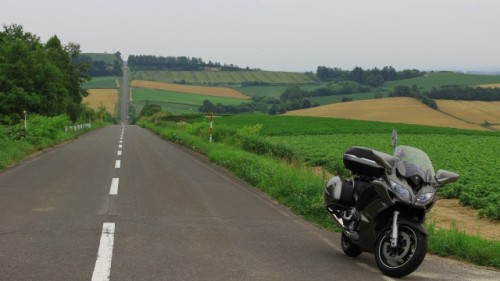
(406, 257)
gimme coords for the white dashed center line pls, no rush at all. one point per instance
(102, 269)
(114, 186)
(119, 153)
(118, 164)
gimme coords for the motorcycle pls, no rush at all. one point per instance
(382, 208)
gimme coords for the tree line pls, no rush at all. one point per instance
(372, 77)
(39, 78)
(97, 68)
(182, 63)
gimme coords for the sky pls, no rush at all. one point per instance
(278, 35)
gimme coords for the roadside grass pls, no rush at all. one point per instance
(292, 184)
(459, 245)
(16, 143)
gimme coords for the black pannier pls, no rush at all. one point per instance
(360, 161)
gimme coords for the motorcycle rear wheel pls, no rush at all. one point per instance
(406, 257)
(349, 248)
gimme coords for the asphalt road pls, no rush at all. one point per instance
(171, 215)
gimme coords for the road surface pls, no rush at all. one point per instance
(119, 203)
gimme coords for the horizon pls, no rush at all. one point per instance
(297, 36)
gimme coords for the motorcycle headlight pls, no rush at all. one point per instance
(425, 198)
(400, 191)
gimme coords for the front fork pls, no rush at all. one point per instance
(394, 234)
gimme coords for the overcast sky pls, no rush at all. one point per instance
(287, 35)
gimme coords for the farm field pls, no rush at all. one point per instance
(497, 85)
(222, 77)
(322, 141)
(105, 82)
(106, 97)
(154, 95)
(400, 110)
(272, 91)
(338, 98)
(107, 58)
(438, 79)
(477, 112)
(199, 90)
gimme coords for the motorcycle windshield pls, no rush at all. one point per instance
(413, 162)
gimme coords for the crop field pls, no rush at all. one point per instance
(338, 98)
(437, 79)
(199, 90)
(497, 85)
(272, 91)
(222, 77)
(477, 112)
(106, 82)
(401, 110)
(107, 97)
(322, 141)
(153, 95)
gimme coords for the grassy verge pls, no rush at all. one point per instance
(293, 185)
(17, 143)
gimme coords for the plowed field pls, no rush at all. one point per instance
(394, 110)
(200, 90)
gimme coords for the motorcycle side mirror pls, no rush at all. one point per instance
(444, 177)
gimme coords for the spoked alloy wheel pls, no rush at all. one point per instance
(406, 256)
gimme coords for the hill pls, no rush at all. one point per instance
(438, 79)
(243, 77)
(394, 110)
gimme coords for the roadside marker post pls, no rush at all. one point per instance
(211, 126)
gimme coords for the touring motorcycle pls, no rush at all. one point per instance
(382, 208)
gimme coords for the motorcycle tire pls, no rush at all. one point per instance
(349, 248)
(406, 257)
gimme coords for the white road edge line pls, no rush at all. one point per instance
(102, 269)
(113, 190)
(118, 164)
(119, 153)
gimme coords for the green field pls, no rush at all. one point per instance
(105, 82)
(272, 91)
(321, 141)
(222, 77)
(438, 79)
(175, 102)
(338, 98)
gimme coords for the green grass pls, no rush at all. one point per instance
(438, 79)
(222, 77)
(153, 95)
(43, 132)
(105, 82)
(293, 185)
(321, 142)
